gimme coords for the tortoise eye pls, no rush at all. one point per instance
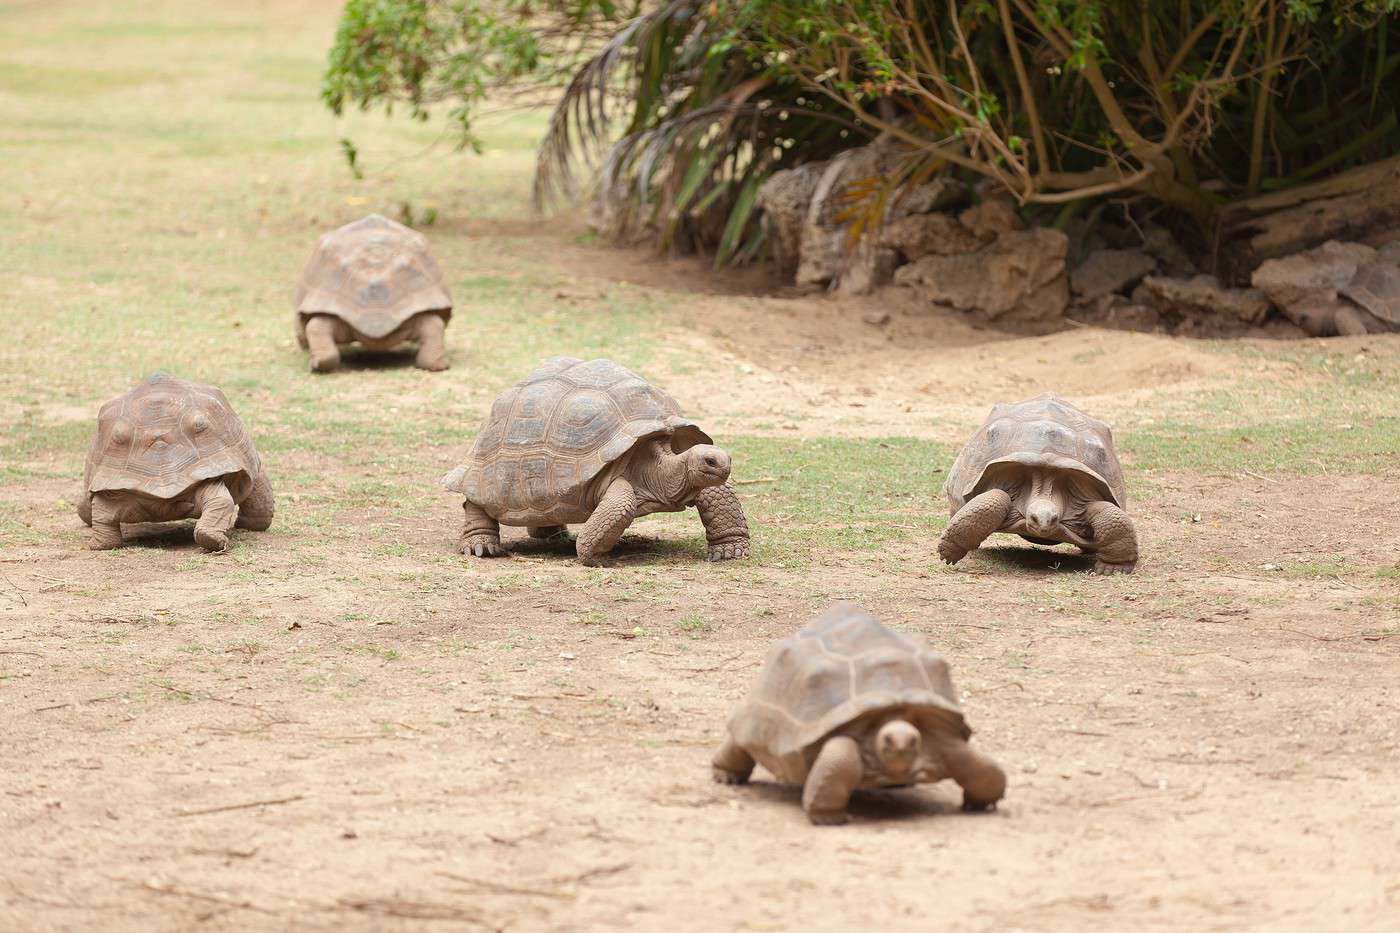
(121, 433)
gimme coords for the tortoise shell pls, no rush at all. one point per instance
(373, 274)
(841, 667)
(1042, 431)
(166, 435)
(1376, 287)
(548, 436)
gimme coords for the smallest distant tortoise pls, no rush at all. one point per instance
(1048, 472)
(376, 282)
(167, 450)
(846, 703)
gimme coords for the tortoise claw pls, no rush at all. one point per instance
(950, 552)
(732, 551)
(828, 818)
(1106, 568)
(481, 546)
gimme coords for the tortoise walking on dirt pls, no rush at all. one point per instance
(167, 450)
(846, 703)
(1048, 472)
(376, 282)
(592, 443)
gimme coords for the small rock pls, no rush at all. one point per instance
(868, 268)
(1158, 243)
(1105, 271)
(568, 655)
(936, 195)
(921, 235)
(876, 318)
(991, 218)
(1202, 294)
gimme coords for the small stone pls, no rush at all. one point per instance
(991, 218)
(1106, 271)
(876, 318)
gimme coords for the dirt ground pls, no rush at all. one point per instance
(341, 724)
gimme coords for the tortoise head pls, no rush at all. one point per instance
(705, 465)
(897, 745)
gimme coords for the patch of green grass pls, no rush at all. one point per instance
(693, 625)
(1294, 447)
(76, 81)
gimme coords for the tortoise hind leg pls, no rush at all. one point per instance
(106, 525)
(320, 339)
(732, 765)
(481, 534)
(834, 777)
(432, 343)
(217, 513)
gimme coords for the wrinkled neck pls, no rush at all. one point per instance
(660, 475)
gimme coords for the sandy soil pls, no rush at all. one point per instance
(205, 741)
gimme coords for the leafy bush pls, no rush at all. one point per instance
(682, 108)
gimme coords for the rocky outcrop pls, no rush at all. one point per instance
(785, 198)
(1021, 276)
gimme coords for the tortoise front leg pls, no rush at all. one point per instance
(834, 777)
(609, 520)
(320, 338)
(432, 342)
(726, 530)
(481, 534)
(982, 780)
(731, 764)
(217, 513)
(104, 517)
(1115, 538)
(255, 512)
(979, 517)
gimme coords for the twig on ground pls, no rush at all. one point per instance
(210, 898)
(17, 590)
(240, 806)
(495, 887)
(45, 709)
